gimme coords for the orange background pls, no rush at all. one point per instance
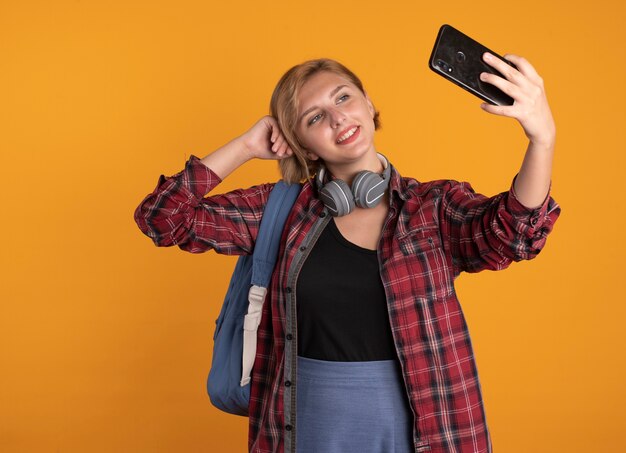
(106, 340)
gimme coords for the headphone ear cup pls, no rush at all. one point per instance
(337, 197)
(368, 189)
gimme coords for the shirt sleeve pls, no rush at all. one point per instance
(176, 212)
(489, 233)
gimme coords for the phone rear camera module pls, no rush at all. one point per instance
(445, 67)
(460, 57)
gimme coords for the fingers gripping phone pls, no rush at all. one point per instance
(459, 59)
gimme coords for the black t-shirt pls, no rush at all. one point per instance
(341, 303)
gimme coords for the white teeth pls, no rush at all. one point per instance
(347, 134)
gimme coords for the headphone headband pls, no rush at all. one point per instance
(367, 190)
(386, 174)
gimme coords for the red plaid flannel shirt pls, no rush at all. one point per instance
(434, 231)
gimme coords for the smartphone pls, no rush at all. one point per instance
(459, 59)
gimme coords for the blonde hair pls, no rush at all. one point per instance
(284, 108)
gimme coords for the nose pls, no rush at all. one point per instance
(337, 117)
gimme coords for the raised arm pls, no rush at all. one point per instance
(490, 233)
(176, 212)
(531, 109)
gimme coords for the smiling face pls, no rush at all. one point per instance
(330, 106)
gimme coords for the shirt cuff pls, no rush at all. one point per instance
(532, 216)
(196, 177)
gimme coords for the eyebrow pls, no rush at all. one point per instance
(332, 93)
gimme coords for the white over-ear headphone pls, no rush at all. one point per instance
(367, 190)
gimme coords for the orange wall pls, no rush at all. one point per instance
(105, 339)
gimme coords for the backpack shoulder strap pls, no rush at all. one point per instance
(281, 200)
(264, 257)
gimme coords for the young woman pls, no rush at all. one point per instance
(362, 344)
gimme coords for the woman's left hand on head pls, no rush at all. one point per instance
(530, 106)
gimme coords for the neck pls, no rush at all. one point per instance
(347, 172)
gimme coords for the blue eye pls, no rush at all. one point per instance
(313, 119)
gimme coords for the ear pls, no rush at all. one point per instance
(308, 153)
(370, 105)
(311, 155)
